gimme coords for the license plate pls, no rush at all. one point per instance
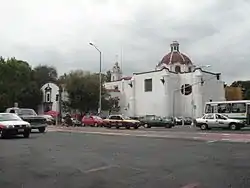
(20, 130)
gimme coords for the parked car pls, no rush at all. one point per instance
(156, 121)
(29, 115)
(179, 120)
(188, 121)
(215, 120)
(76, 122)
(49, 119)
(93, 121)
(12, 124)
(121, 121)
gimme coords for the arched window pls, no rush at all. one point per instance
(189, 69)
(177, 69)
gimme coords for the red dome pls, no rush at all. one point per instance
(175, 56)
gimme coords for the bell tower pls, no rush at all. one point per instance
(116, 73)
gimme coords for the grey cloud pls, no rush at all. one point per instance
(212, 32)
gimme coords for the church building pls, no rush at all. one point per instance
(175, 87)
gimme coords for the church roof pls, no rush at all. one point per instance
(175, 56)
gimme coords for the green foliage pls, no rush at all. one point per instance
(17, 85)
(108, 76)
(83, 91)
(113, 104)
(245, 85)
(43, 74)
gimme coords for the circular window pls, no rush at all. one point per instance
(177, 69)
(186, 89)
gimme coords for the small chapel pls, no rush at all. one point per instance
(175, 87)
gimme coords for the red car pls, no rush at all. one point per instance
(93, 121)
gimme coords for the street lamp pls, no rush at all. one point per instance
(100, 78)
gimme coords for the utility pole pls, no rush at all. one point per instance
(100, 78)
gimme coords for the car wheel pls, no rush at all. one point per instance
(3, 134)
(168, 126)
(96, 125)
(26, 134)
(41, 129)
(135, 127)
(233, 126)
(108, 126)
(147, 126)
(204, 127)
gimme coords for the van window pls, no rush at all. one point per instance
(209, 109)
(239, 108)
(224, 108)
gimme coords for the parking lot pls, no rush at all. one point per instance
(99, 157)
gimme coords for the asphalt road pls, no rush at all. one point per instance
(77, 160)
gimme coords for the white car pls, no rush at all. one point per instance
(12, 124)
(215, 120)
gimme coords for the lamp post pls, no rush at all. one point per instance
(100, 79)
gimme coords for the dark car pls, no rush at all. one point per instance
(156, 121)
(29, 115)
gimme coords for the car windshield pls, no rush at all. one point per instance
(9, 117)
(158, 118)
(97, 117)
(26, 112)
(126, 117)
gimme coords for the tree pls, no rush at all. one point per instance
(245, 85)
(30, 96)
(108, 76)
(83, 91)
(43, 74)
(113, 104)
(15, 82)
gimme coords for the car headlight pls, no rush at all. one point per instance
(28, 125)
(10, 126)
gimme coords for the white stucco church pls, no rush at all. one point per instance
(175, 87)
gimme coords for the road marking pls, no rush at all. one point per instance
(226, 139)
(192, 185)
(196, 138)
(203, 133)
(99, 168)
(212, 141)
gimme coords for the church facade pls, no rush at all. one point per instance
(176, 87)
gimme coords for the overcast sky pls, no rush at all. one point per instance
(57, 32)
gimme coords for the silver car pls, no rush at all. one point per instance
(215, 120)
(11, 124)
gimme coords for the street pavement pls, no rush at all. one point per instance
(83, 157)
(179, 132)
